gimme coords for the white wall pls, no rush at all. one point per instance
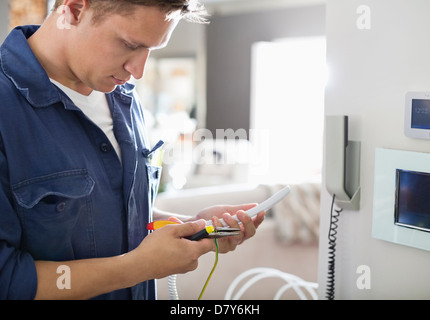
(370, 72)
(4, 20)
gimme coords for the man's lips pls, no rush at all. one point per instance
(119, 81)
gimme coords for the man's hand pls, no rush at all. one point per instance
(166, 251)
(248, 225)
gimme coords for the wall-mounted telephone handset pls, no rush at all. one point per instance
(342, 177)
(342, 163)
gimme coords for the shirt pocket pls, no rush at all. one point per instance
(53, 191)
(51, 207)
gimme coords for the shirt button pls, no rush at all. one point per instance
(104, 147)
(61, 206)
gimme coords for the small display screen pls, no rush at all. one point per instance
(412, 207)
(420, 116)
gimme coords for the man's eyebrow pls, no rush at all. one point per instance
(138, 44)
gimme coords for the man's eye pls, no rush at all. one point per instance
(130, 46)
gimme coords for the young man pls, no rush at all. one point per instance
(76, 186)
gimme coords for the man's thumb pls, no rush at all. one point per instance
(190, 228)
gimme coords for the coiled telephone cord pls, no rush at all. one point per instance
(334, 218)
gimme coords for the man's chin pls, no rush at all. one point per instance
(105, 88)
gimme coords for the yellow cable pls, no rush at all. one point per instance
(212, 271)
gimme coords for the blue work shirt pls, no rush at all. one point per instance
(64, 193)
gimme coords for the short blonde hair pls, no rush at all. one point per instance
(190, 10)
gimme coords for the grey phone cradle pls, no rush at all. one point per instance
(342, 163)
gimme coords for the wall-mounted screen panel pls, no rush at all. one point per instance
(417, 115)
(401, 205)
(412, 206)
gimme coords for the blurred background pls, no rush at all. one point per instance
(240, 103)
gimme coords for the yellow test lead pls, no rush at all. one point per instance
(212, 271)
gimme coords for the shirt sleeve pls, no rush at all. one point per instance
(18, 277)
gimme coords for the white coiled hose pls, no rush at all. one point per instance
(173, 291)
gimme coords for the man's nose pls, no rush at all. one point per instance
(136, 65)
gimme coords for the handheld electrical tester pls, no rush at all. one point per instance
(218, 232)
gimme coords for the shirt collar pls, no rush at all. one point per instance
(21, 66)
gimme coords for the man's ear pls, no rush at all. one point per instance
(74, 10)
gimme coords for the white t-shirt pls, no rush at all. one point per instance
(96, 108)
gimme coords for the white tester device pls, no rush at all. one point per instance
(417, 115)
(264, 206)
